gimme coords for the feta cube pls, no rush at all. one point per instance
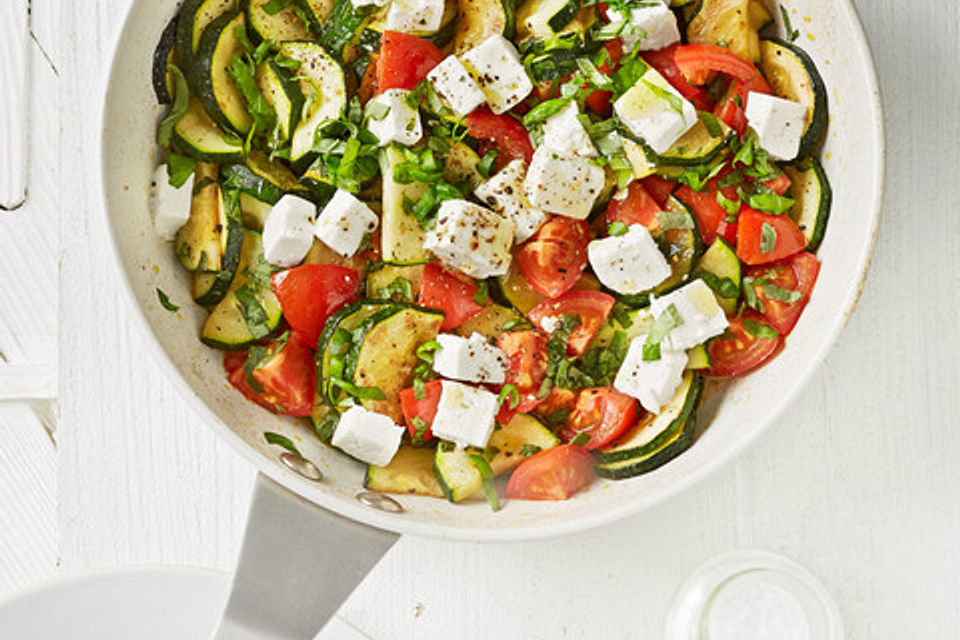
(504, 194)
(401, 122)
(779, 124)
(170, 205)
(471, 238)
(566, 185)
(344, 223)
(649, 27)
(564, 132)
(496, 66)
(363, 4)
(455, 85)
(653, 383)
(288, 231)
(698, 308)
(655, 111)
(367, 436)
(421, 17)
(630, 263)
(470, 359)
(465, 415)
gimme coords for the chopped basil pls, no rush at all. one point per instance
(676, 103)
(377, 110)
(792, 34)
(485, 166)
(420, 428)
(425, 209)
(663, 325)
(732, 207)
(361, 393)
(621, 313)
(529, 450)
(544, 110)
(557, 352)
(602, 363)
(631, 69)
(581, 439)
(768, 201)
(759, 330)
(419, 389)
(482, 296)
(486, 473)
(781, 294)
(243, 74)
(674, 220)
(165, 301)
(400, 287)
(327, 425)
(179, 169)
(517, 323)
(256, 356)
(557, 418)
(617, 228)
(275, 6)
(254, 315)
(711, 123)
(181, 97)
(425, 351)
(768, 238)
(510, 394)
(732, 179)
(697, 177)
(750, 293)
(261, 272)
(281, 441)
(723, 287)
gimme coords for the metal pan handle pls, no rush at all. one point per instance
(298, 563)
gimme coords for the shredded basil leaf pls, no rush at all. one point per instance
(179, 169)
(663, 325)
(792, 34)
(723, 287)
(281, 441)
(674, 220)
(711, 123)
(377, 110)
(510, 394)
(602, 363)
(425, 350)
(768, 238)
(617, 228)
(419, 389)
(400, 287)
(181, 98)
(581, 439)
(361, 393)
(327, 425)
(486, 473)
(485, 166)
(254, 315)
(529, 450)
(781, 294)
(759, 330)
(675, 102)
(165, 301)
(482, 296)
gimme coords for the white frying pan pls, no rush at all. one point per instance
(329, 550)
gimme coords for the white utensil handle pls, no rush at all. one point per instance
(298, 563)
(14, 32)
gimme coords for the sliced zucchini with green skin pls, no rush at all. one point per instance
(696, 147)
(242, 177)
(814, 196)
(677, 4)
(545, 19)
(410, 472)
(162, 56)
(654, 431)
(283, 93)
(698, 358)
(316, 12)
(211, 81)
(194, 17)
(681, 247)
(254, 212)
(477, 20)
(459, 478)
(727, 23)
(721, 261)
(239, 321)
(793, 76)
(347, 319)
(318, 182)
(199, 137)
(641, 321)
(678, 442)
(210, 288)
(199, 242)
(280, 27)
(323, 86)
(401, 239)
(380, 279)
(759, 17)
(489, 322)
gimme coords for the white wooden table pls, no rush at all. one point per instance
(859, 481)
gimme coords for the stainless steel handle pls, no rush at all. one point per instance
(298, 563)
(14, 86)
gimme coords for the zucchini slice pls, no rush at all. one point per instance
(280, 27)
(460, 480)
(199, 242)
(726, 22)
(210, 288)
(489, 322)
(410, 472)
(402, 236)
(380, 279)
(682, 247)
(323, 86)
(283, 93)
(253, 212)
(546, 19)
(759, 16)
(316, 12)
(696, 147)
(318, 182)
(477, 20)
(211, 79)
(721, 261)
(641, 321)
(698, 358)
(194, 17)
(250, 311)
(331, 354)
(199, 137)
(162, 56)
(814, 196)
(242, 177)
(793, 76)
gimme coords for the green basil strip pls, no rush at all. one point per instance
(281, 441)
(486, 473)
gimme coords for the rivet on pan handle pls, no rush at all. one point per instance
(14, 87)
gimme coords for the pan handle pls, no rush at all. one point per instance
(298, 563)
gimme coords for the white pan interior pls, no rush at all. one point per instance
(853, 159)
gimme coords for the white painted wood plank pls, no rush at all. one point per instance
(28, 381)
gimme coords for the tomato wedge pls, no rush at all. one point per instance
(707, 210)
(454, 296)
(698, 62)
(731, 109)
(659, 188)
(424, 408)
(599, 101)
(741, 351)
(526, 353)
(785, 240)
(404, 61)
(639, 207)
(506, 133)
(287, 377)
(663, 61)
(554, 474)
(603, 413)
(555, 257)
(796, 274)
(592, 307)
(311, 293)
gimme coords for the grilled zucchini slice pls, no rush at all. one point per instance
(814, 196)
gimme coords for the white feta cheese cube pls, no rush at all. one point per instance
(344, 223)
(702, 316)
(455, 85)
(465, 415)
(415, 16)
(779, 124)
(504, 194)
(566, 185)
(362, 4)
(564, 132)
(400, 123)
(655, 111)
(649, 27)
(471, 238)
(470, 359)
(630, 263)
(288, 231)
(367, 436)
(170, 205)
(496, 66)
(654, 382)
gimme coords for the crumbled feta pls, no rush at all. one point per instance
(702, 316)
(779, 124)
(471, 238)
(401, 122)
(415, 16)
(496, 66)
(649, 27)
(630, 263)
(470, 359)
(655, 111)
(654, 382)
(566, 185)
(368, 436)
(170, 205)
(504, 194)
(288, 231)
(455, 85)
(564, 132)
(465, 415)
(344, 223)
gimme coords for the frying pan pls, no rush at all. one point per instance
(309, 542)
